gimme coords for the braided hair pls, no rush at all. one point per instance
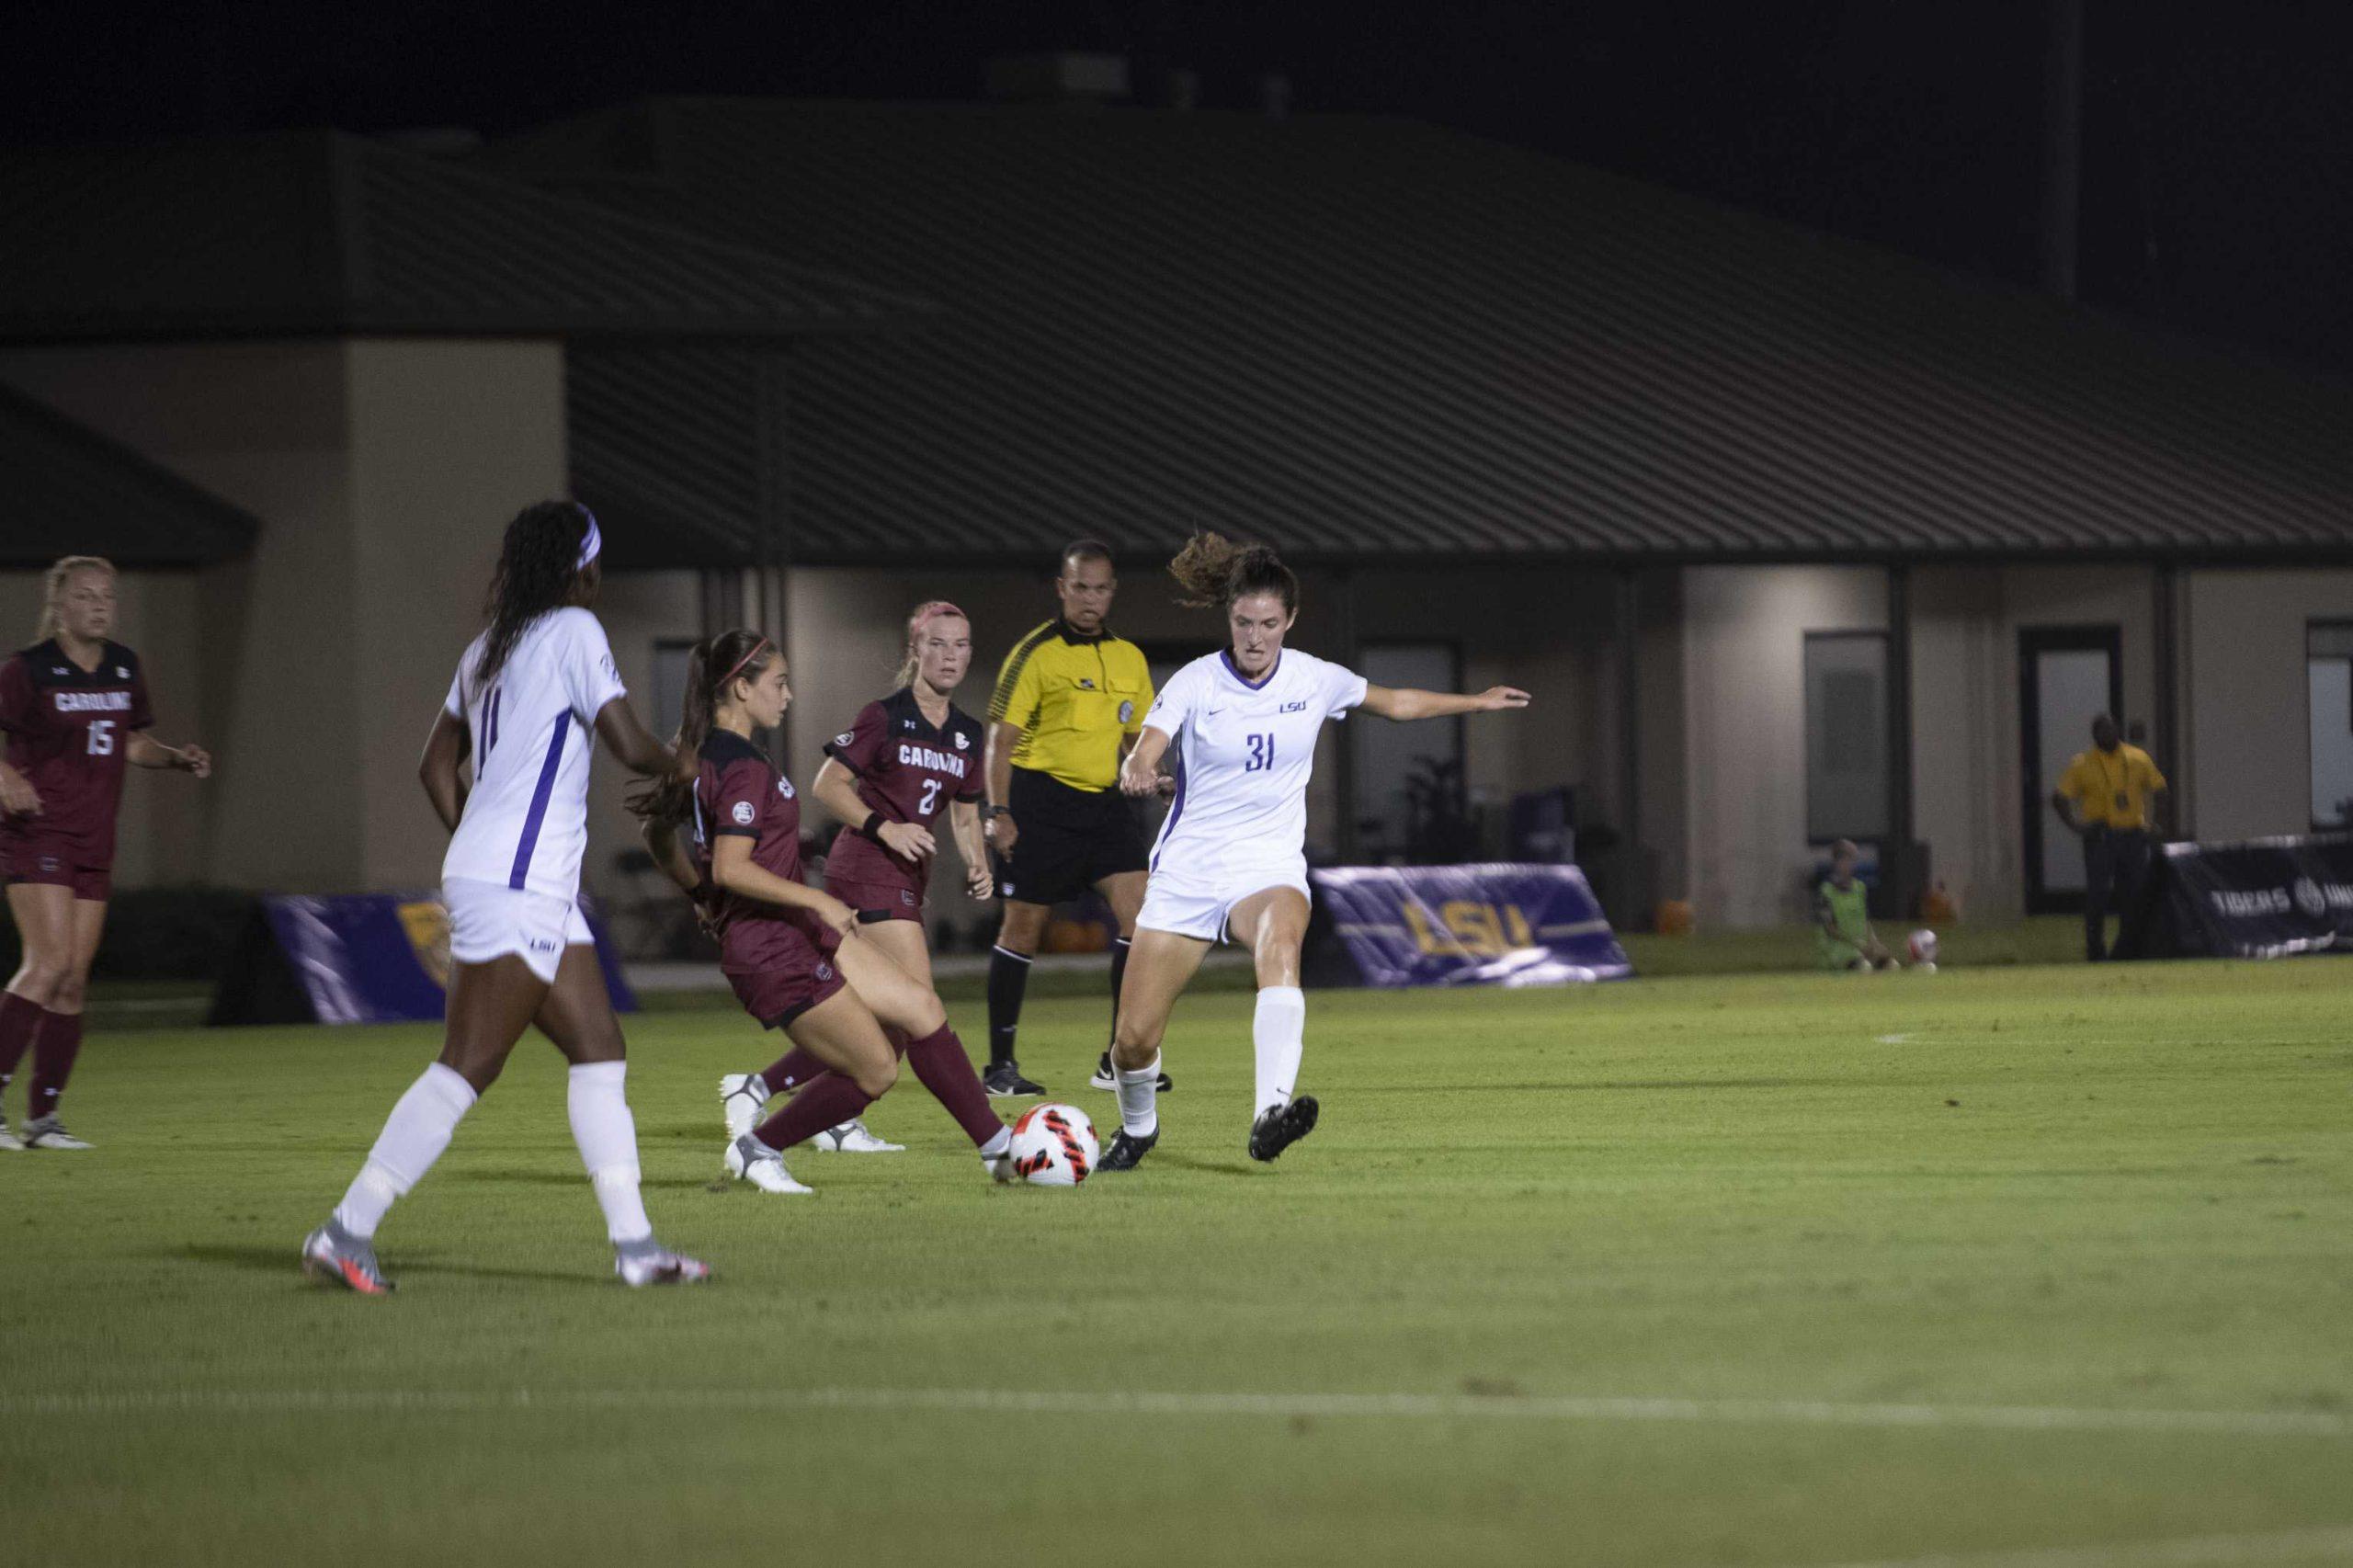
(714, 663)
(1211, 572)
(539, 570)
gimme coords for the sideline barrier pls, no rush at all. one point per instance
(1486, 924)
(357, 959)
(2262, 898)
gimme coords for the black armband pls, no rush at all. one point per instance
(871, 830)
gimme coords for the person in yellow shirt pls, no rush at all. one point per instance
(2105, 797)
(1068, 706)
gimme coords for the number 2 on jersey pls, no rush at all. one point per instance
(1262, 753)
(930, 797)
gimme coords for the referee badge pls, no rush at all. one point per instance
(1127, 711)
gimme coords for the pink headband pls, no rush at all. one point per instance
(928, 613)
(758, 648)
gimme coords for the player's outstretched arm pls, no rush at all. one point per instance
(1140, 774)
(445, 752)
(733, 867)
(146, 750)
(836, 788)
(635, 748)
(1405, 702)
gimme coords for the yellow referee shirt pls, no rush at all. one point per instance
(1075, 699)
(2112, 788)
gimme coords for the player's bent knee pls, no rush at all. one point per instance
(68, 995)
(876, 1081)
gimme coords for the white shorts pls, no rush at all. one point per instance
(487, 921)
(1200, 908)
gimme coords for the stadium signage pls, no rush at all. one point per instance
(1486, 924)
(2261, 898)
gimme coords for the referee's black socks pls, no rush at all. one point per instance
(1119, 973)
(1008, 978)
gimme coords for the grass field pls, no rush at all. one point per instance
(1772, 1270)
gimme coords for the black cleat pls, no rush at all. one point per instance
(1004, 1081)
(1127, 1150)
(1282, 1127)
(1107, 1079)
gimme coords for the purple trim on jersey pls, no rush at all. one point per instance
(1258, 684)
(490, 723)
(539, 794)
(1175, 811)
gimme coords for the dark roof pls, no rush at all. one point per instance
(317, 233)
(1361, 337)
(71, 491)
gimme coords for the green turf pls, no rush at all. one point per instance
(2112, 1190)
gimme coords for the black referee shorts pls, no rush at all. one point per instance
(1069, 839)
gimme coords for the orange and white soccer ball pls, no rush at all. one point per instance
(1054, 1145)
(1923, 948)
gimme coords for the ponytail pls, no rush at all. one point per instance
(711, 666)
(1211, 572)
(52, 591)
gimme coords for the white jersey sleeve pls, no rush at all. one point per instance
(1343, 689)
(1174, 703)
(591, 679)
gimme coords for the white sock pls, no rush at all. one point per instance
(415, 1135)
(1278, 1030)
(998, 1144)
(1139, 1098)
(607, 1134)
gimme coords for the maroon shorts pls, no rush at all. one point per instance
(803, 975)
(877, 901)
(53, 861)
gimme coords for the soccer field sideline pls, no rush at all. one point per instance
(1681, 1272)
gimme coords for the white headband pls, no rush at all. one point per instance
(594, 543)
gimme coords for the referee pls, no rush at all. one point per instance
(1069, 703)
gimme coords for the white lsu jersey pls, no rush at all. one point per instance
(1245, 753)
(533, 727)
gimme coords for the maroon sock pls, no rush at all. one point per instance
(20, 1020)
(792, 1070)
(828, 1101)
(939, 1061)
(53, 1055)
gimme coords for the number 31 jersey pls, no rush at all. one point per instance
(1244, 752)
(68, 729)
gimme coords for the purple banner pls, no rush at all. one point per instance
(384, 957)
(1491, 924)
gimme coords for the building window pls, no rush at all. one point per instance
(1846, 735)
(2328, 682)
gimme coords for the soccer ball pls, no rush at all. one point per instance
(1054, 1145)
(1923, 948)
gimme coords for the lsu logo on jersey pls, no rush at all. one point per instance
(743, 813)
(1299, 707)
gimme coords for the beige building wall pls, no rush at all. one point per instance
(1965, 738)
(449, 439)
(2245, 701)
(1743, 651)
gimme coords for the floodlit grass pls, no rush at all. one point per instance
(2122, 1190)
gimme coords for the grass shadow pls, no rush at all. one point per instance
(559, 1178)
(286, 1261)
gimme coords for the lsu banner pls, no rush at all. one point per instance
(2264, 898)
(1492, 925)
(361, 959)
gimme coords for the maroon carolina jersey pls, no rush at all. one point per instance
(738, 791)
(908, 771)
(68, 731)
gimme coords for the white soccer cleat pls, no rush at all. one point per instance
(48, 1133)
(642, 1265)
(852, 1138)
(750, 1160)
(9, 1143)
(741, 1098)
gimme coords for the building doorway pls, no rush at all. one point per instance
(2067, 676)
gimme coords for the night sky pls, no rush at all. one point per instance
(2216, 138)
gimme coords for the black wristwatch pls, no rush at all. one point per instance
(990, 814)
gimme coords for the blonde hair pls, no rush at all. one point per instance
(53, 590)
(910, 663)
